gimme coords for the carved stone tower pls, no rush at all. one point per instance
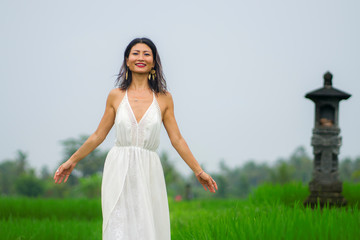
(325, 186)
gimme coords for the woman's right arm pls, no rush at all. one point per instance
(93, 141)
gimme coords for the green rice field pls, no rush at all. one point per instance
(271, 212)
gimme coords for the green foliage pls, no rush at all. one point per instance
(29, 185)
(91, 164)
(296, 192)
(36, 218)
(302, 163)
(346, 169)
(287, 194)
(45, 173)
(49, 228)
(17, 178)
(355, 176)
(41, 208)
(30, 218)
(239, 181)
(351, 193)
(10, 170)
(349, 169)
(282, 173)
(7, 177)
(53, 190)
(239, 219)
(175, 182)
(297, 168)
(90, 186)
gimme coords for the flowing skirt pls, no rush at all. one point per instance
(133, 196)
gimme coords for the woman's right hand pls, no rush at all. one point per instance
(206, 180)
(64, 170)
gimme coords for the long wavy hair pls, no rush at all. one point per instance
(158, 84)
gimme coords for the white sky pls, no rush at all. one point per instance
(238, 72)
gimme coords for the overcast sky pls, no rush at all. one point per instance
(238, 72)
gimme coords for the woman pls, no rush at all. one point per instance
(133, 191)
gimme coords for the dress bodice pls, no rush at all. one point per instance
(145, 133)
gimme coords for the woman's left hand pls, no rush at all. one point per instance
(207, 181)
(64, 170)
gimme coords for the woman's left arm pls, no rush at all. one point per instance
(179, 143)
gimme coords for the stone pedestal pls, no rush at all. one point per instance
(331, 197)
(326, 188)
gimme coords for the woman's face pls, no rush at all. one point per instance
(140, 59)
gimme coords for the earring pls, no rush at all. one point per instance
(126, 74)
(153, 73)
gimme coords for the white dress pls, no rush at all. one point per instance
(133, 191)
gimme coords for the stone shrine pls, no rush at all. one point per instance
(325, 186)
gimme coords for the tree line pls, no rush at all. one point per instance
(18, 178)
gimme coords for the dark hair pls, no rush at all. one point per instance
(158, 85)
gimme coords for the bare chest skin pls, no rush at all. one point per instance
(140, 103)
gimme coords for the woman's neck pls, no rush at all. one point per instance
(139, 82)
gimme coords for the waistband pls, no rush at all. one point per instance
(134, 147)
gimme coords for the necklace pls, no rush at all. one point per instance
(137, 99)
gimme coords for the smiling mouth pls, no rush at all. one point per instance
(140, 64)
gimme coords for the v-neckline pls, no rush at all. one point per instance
(132, 112)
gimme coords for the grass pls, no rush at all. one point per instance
(287, 194)
(271, 212)
(351, 193)
(49, 228)
(266, 221)
(41, 208)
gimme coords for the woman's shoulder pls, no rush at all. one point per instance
(115, 96)
(166, 97)
(116, 92)
(165, 100)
